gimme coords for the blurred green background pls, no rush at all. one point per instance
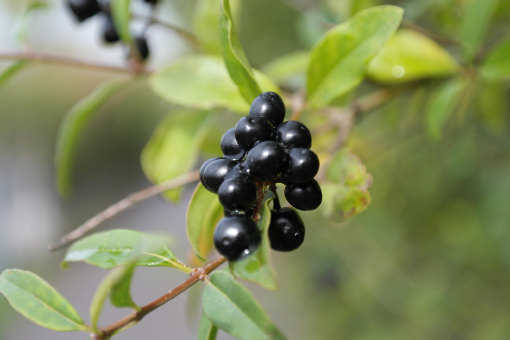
(429, 259)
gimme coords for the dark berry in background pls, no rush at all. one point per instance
(230, 147)
(110, 34)
(235, 236)
(237, 193)
(301, 166)
(286, 230)
(252, 129)
(142, 47)
(304, 196)
(265, 161)
(213, 173)
(83, 9)
(293, 134)
(270, 106)
(152, 2)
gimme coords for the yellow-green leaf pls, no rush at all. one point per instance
(11, 70)
(475, 23)
(497, 64)
(287, 68)
(206, 330)
(121, 17)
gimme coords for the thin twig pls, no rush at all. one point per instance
(136, 316)
(68, 61)
(121, 206)
(185, 34)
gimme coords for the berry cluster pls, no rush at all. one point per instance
(262, 150)
(85, 9)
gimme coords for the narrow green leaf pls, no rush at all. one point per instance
(206, 330)
(287, 68)
(497, 64)
(257, 267)
(11, 70)
(475, 23)
(206, 23)
(22, 25)
(338, 61)
(231, 308)
(115, 248)
(117, 285)
(237, 64)
(174, 147)
(203, 82)
(442, 104)
(121, 16)
(492, 101)
(72, 126)
(204, 212)
(36, 300)
(409, 55)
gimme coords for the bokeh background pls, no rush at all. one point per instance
(429, 259)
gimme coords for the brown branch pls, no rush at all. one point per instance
(68, 61)
(121, 206)
(135, 316)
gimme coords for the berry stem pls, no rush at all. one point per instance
(258, 205)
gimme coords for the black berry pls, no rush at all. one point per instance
(265, 161)
(270, 106)
(236, 235)
(286, 230)
(302, 165)
(252, 129)
(83, 9)
(293, 134)
(142, 47)
(110, 34)
(152, 2)
(204, 166)
(304, 196)
(213, 173)
(237, 193)
(230, 147)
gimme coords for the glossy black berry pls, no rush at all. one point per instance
(304, 196)
(293, 134)
(286, 230)
(235, 236)
(204, 166)
(269, 105)
(301, 166)
(230, 147)
(265, 161)
(110, 34)
(142, 47)
(237, 193)
(152, 2)
(213, 173)
(252, 129)
(83, 9)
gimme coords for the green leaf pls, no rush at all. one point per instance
(475, 23)
(174, 147)
(231, 308)
(117, 284)
(121, 16)
(206, 23)
(338, 61)
(72, 126)
(345, 194)
(237, 64)
(11, 70)
(257, 267)
(204, 212)
(203, 82)
(287, 67)
(115, 248)
(493, 104)
(497, 64)
(206, 330)
(442, 104)
(36, 300)
(409, 55)
(22, 25)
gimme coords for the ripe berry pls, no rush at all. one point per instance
(110, 34)
(293, 134)
(230, 147)
(83, 9)
(286, 230)
(252, 129)
(304, 196)
(265, 161)
(236, 235)
(142, 47)
(213, 173)
(204, 166)
(237, 193)
(270, 106)
(302, 165)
